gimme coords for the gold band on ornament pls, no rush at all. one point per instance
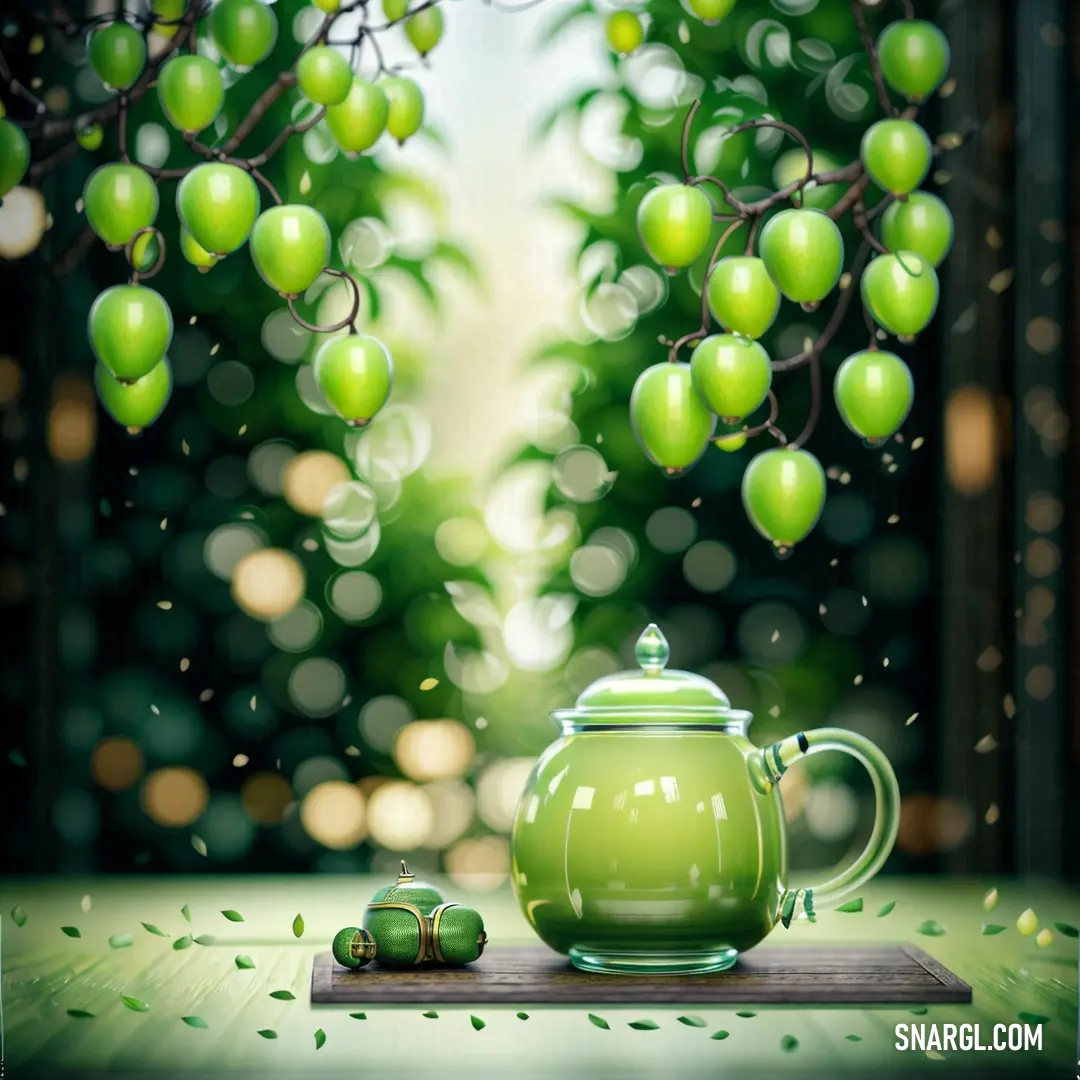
(425, 931)
(481, 941)
(436, 917)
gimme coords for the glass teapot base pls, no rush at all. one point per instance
(673, 963)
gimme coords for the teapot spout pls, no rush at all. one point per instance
(769, 764)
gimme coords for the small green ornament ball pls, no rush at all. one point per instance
(352, 941)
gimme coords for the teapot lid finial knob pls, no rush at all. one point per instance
(652, 650)
(405, 875)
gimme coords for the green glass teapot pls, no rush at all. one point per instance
(650, 836)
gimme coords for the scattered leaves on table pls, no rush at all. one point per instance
(691, 1021)
(644, 1025)
(990, 900)
(150, 928)
(121, 941)
(789, 1043)
(135, 1004)
(1032, 1018)
(205, 939)
(298, 926)
(599, 1021)
(931, 928)
(18, 915)
(523, 1016)
(182, 942)
(1027, 923)
(320, 1039)
(853, 1038)
(233, 916)
(851, 907)
(185, 911)
(358, 1016)
(71, 931)
(721, 1034)
(282, 995)
(920, 1010)
(244, 963)
(990, 929)
(194, 1021)
(80, 1014)
(477, 1023)
(1066, 929)
(267, 1033)
(886, 909)
(746, 1014)
(431, 1015)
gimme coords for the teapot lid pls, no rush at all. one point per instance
(653, 693)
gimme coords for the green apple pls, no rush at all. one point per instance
(329, 6)
(191, 92)
(166, 16)
(406, 107)
(922, 223)
(14, 156)
(669, 419)
(914, 57)
(425, 29)
(130, 329)
(896, 155)
(117, 54)
(730, 443)
(901, 292)
(324, 75)
(135, 405)
(675, 223)
(356, 375)
(145, 252)
(624, 32)
(783, 492)
(393, 10)
(290, 246)
(732, 375)
(244, 31)
(742, 297)
(91, 137)
(360, 119)
(791, 166)
(195, 253)
(803, 252)
(218, 205)
(874, 391)
(119, 200)
(710, 11)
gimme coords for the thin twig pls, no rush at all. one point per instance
(871, 52)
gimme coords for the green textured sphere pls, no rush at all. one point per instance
(191, 92)
(732, 375)
(353, 947)
(405, 114)
(901, 292)
(922, 224)
(671, 423)
(119, 201)
(135, 405)
(244, 31)
(458, 935)
(14, 156)
(914, 57)
(356, 375)
(624, 32)
(783, 493)
(874, 392)
(742, 297)
(803, 252)
(218, 205)
(400, 936)
(424, 897)
(425, 29)
(324, 75)
(195, 253)
(711, 11)
(360, 119)
(130, 329)
(290, 246)
(117, 54)
(674, 222)
(896, 155)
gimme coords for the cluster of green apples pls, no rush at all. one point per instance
(676, 406)
(625, 31)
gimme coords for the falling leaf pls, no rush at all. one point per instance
(80, 1014)
(298, 926)
(599, 1021)
(164, 523)
(253, 703)
(16, 758)
(477, 1023)
(789, 1043)
(990, 900)
(155, 710)
(243, 429)
(1066, 929)
(185, 663)
(522, 1016)
(930, 928)
(184, 447)
(852, 906)
(432, 1015)
(199, 844)
(85, 903)
(165, 605)
(205, 939)
(1032, 1018)
(71, 931)
(320, 1039)
(691, 1021)
(886, 909)
(267, 1033)
(857, 681)
(991, 930)
(135, 1004)
(1001, 281)
(240, 761)
(429, 684)
(933, 1055)
(155, 930)
(121, 941)
(194, 1021)
(283, 995)
(993, 813)
(358, 1016)
(1027, 923)
(911, 719)
(18, 915)
(921, 1010)
(233, 916)
(182, 943)
(853, 1038)
(746, 1014)
(1044, 938)
(987, 744)
(644, 1025)
(721, 1034)
(244, 963)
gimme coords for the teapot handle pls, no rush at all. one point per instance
(773, 761)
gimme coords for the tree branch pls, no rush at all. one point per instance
(871, 52)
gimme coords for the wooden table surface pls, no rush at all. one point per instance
(47, 973)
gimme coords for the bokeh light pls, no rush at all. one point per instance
(308, 478)
(265, 797)
(174, 797)
(268, 583)
(116, 763)
(400, 816)
(333, 813)
(434, 749)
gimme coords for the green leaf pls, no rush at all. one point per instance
(477, 1023)
(1066, 929)
(244, 963)
(185, 911)
(121, 941)
(919, 1010)
(853, 1038)
(358, 1016)
(852, 906)
(194, 1021)
(931, 928)
(135, 1004)
(182, 942)
(789, 1043)
(555, 28)
(457, 256)
(644, 1025)
(599, 1021)
(719, 1035)
(298, 926)
(1032, 1018)
(990, 929)
(267, 1033)
(523, 1016)
(282, 995)
(886, 909)
(432, 1015)
(71, 931)
(80, 1014)
(434, 135)
(18, 915)
(150, 928)
(320, 1039)
(205, 939)
(746, 1014)
(691, 1021)
(233, 916)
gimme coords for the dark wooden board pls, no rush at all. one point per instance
(534, 975)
